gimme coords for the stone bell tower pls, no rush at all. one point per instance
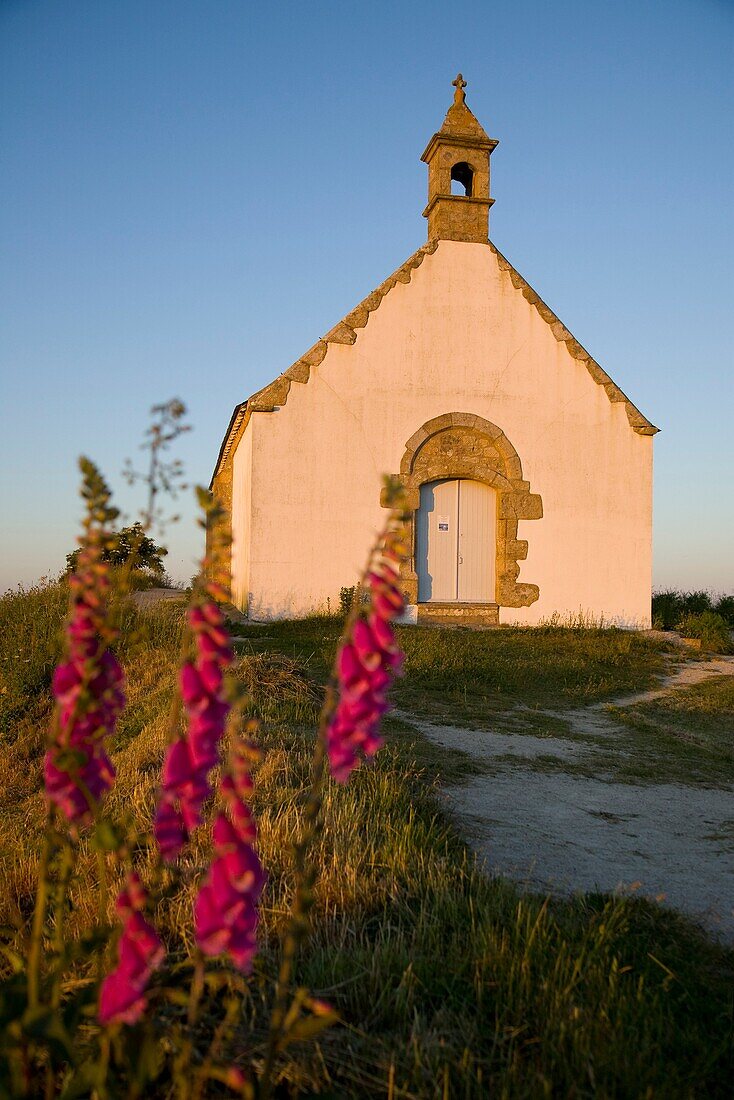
(459, 155)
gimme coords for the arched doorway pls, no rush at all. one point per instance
(461, 446)
(456, 542)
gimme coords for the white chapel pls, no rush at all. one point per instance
(528, 471)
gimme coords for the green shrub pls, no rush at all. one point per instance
(670, 606)
(667, 608)
(132, 547)
(696, 603)
(346, 599)
(712, 630)
(724, 606)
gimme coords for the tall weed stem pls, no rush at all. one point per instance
(39, 918)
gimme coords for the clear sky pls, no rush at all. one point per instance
(193, 191)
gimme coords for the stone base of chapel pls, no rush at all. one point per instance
(458, 614)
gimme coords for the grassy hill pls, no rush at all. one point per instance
(448, 983)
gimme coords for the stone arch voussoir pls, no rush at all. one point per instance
(463, 445)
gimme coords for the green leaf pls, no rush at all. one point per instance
(227, 1077)
(80, 1002)
(203, 497)
(81, 1081)
(177, 997)
(13, 998)
(70, 758)
(150, 1060)
(216, 980)
(45, 1026)
(14, 959)
(307, 1028)
(294, 1012)
(107, 837)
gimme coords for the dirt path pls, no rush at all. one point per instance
(530, 818)
(682, 677)
(149, 597)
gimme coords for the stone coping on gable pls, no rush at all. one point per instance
(345, 332)
(638, 422)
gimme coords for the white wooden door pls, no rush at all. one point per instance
(437, 535)
(456, 542)
(477, 542)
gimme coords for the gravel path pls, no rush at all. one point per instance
(559, 832)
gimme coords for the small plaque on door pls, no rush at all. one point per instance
(443, 523)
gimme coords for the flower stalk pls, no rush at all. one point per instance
(87, 686)
(190, 757)
(78, 773)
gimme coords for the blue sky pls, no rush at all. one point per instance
(192, 192)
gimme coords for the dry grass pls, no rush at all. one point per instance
(448, 983)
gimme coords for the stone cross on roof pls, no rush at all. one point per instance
(459, 95)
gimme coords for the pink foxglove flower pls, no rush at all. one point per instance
(140, 951)
(225, 910)
(185, 780)
(88, 687)
(366, 665)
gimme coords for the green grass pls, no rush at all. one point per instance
(535, 667)
(449, 984)
(30, 644)
(472, 677)
(686, 736)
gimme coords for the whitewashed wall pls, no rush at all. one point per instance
(458, 338)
